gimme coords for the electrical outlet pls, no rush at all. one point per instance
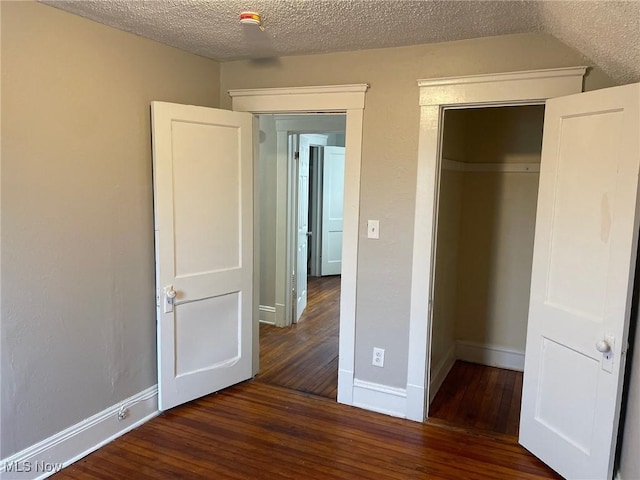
(378, 357)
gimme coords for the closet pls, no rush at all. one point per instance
(484, 245)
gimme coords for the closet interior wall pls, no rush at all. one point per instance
(486, 218)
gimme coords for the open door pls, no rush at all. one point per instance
(203, 194)
(582, 281)
(332, 210)
(302, 225)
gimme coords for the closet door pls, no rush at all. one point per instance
(582, 280)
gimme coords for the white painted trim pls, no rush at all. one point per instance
(380, 398)
(345, 386)
(349, 99)
(416, 404)
(255, 304)
(296, 99)
(282, 268)
(514, 88)
(308, 90)
(350, 228)
(280, 315)
(81, 439)
(440, 372)
(491, 355)
(456, 166)
(267, 314)
(504, 77)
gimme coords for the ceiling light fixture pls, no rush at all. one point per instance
(251, 18)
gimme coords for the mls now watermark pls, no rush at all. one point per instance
(28, 466)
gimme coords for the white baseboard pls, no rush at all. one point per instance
(267, 314)
(62, 449)
(345, 387)
(492, 355)
(281, 315)
(440, 372)
(380, 398)
(415, 402)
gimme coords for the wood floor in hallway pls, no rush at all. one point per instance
(304, 357)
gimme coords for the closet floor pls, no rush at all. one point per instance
(480, 398)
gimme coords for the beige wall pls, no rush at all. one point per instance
(494, 257)
(389, 156)
(497, 224)
(78, 328)
(485, 229)
(445, 298)
(267, 183)
(78, 309)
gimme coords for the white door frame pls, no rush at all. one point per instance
(338, 98)
(310, 139)
(435, 96)
(286, 202)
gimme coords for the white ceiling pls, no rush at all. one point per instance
(606, 32)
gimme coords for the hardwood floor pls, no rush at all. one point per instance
(480, 397)
(304, 357)
(263, 429)
(260, 431)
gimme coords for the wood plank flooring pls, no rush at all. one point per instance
(480, 397)
(304, 357)
(260, 431)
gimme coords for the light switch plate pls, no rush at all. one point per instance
(373, 229)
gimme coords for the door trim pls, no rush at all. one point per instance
(347, 99)
(286, 126)
(510, 88)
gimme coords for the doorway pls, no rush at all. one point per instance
(299, 330)
(487, 201)
(348, 99)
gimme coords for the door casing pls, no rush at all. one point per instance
(436, 95)
(348, 99)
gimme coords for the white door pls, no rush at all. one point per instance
(332, 210)
(203, 192)
(582, 280)
(302, 222)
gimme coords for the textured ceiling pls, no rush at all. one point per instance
(606, 32)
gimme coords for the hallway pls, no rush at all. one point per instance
(304, 357)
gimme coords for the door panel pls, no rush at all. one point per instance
(203, 192)
(582, 279)
(302, 226)
(332, 210)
